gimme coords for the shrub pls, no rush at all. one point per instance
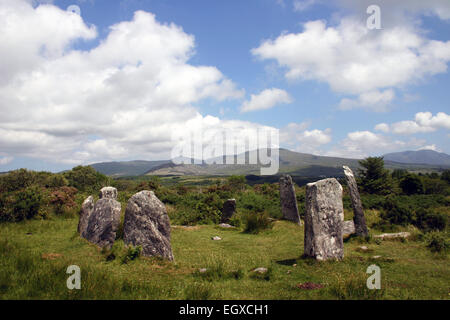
(17, 180)
(396, 212)
(427, 219)
(27, 204)
(86, 179)
(132, 254)
(411, 184)
(63, 199)
(257, 222)
(437, 242)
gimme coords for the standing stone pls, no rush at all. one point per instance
(229, 208)
(104, 222)
(323, 220)
(147, 224)
(86, 210)
(358, 213)
(288, 200)
(108, 193)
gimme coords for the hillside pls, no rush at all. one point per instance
(294, 163)
(126, 168)
(428, 157)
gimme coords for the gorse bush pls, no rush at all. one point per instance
(428, 219)
(27, 204)
(437, 241)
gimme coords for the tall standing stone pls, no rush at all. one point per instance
(86, 210)
(104, 222)
(358, 213)
(108, 193)
(288, 200)
(323, 220)
(229, 208)
(147, 224)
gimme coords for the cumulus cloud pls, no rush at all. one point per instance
(297, 137)
(353, 60)
(266, 99)
(424, 122)
(360, 144)
(119, 100)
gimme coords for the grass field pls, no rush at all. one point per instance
(34, 256)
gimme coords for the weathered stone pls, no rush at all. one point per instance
(147, 225)
(108, 193)
(216, 238)
(348, 228)
(260, 270)
(86, 210)
(398, 235)
(103, 223)
(358, 213)
(288, 200)
(229, 208)
(226, 225)
(323, 220)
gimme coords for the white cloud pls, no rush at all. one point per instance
(360, 144)
(266, 99)
(302, 5)
(384, 127)
(424, 122)
(5, 160)
(355, 61)
(430, 147)
(119, 100)
(296, 137)
(373, 100)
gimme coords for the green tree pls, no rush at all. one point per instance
(86, 178)
(399, 173)
(446, 176)
(411, 184)
(375, 179)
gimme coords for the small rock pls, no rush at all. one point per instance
(225, 225)
(216, 238)
(260, 270)
(202, 270)
(376, 257)
(294, 265)
(289, 272)
(364, 248)
(398, 235)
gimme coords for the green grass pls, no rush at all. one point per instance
(34, 256)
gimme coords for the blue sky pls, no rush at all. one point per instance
(75, 90)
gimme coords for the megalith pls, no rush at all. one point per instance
(358, 213)
(103, 223)
(323, 220)
(288, 200)
(108, 193)
(86, 210)
(147, 225)
(229, 208)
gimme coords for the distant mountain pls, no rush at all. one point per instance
(294, 163)
(428, 157)
(127, 168)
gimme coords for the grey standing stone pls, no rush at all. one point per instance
(108, 193)
(348, 228)
(323, 220)
(358, 213)
(86, 210)
(229, 208)
(288, 200)
(147, 224)
(104, 222)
